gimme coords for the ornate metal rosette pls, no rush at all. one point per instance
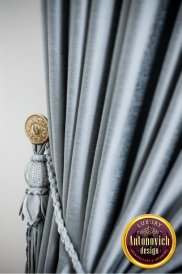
(36, 129)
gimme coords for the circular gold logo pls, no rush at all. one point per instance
(149, 241)
(36, 128)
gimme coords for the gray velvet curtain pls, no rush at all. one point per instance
(114, 109)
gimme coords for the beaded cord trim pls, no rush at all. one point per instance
(65, 239)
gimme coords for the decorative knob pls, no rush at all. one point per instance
(36, 129)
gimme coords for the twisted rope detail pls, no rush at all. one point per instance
(65, 239)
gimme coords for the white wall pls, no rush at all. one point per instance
(22, 92)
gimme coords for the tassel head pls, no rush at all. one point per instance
(36, 172)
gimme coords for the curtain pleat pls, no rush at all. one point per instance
(114, 111)
(45, 236)
(160, 207)
(57, 59)
(104, 119)
(78, 26)
(150, 179)
(133, 72)
(95, 72)
(77, 38)
(168, 77)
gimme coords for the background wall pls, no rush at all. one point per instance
(22, 92)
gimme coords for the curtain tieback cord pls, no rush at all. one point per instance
(40, 175)
(65, 239)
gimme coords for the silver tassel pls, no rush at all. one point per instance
(34, 205)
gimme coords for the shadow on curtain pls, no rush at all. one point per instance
(114, 110)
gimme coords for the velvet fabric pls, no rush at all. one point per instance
(114, 111)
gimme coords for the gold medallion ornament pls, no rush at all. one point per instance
(149, 241)
(36, 129)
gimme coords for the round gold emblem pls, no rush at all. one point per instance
(36, 129)
(149, 241)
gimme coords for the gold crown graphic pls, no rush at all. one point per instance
(149, 231)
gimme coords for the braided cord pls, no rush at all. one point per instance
(65, 239)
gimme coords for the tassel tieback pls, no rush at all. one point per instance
(34, 205)
(35, 200)
(40, 176)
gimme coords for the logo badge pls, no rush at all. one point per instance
(149, 241)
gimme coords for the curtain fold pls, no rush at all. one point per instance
(46, 233)
(150, 179)
(127, 96)
(114, 112)
(77, 39)
(167, 79)
(92, 93)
